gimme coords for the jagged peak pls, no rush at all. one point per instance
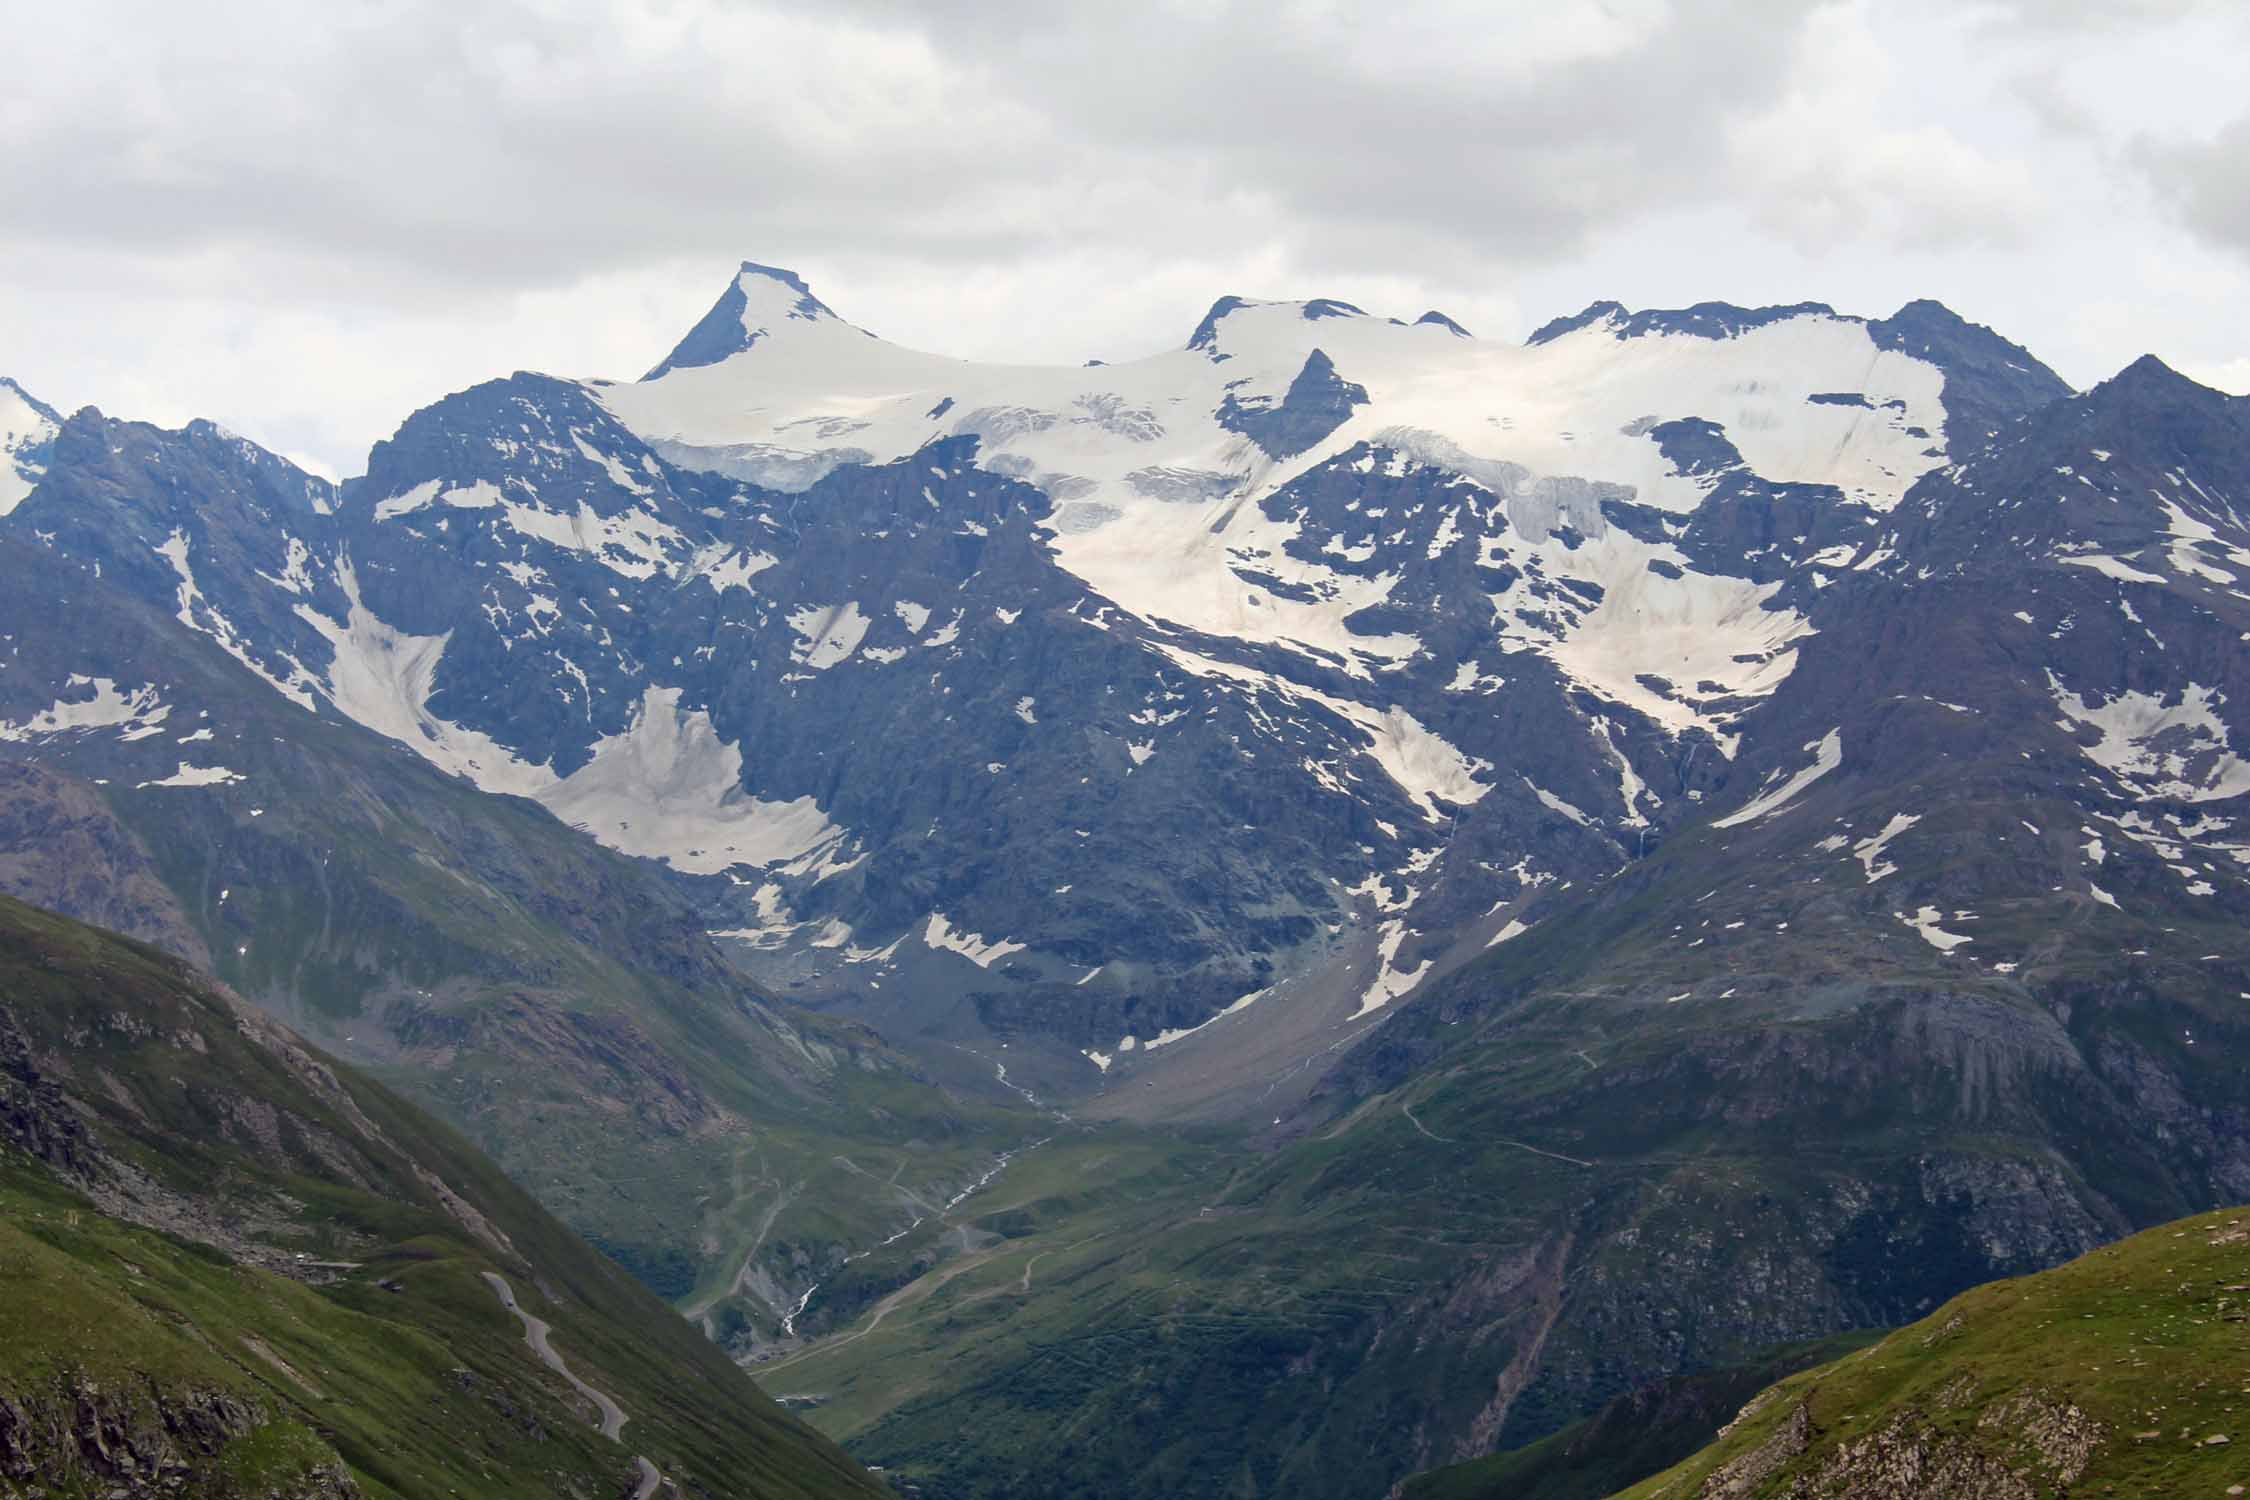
(1206, 335)
(1928, 329)
(1594, 312)
(759, 298)
(2148, 369)
(1930, 309)
(2150, 377)
(1440, 320)
(806, 305)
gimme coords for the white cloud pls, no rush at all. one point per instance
(1836, 162)
(2229, 375)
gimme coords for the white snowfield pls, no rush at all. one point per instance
(1155, 498)
(1827, 753)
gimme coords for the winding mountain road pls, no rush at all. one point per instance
(612, 1421)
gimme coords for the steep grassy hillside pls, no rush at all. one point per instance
(231, 1267)
(2125, 1373)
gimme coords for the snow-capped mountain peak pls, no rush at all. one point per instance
(1161, 469)
(759, 301)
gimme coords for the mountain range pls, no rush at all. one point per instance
(1327, 900)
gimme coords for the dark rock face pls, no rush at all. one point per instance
(140, 1444)
(1317, 403)
(35, 1114)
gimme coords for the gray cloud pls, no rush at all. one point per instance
(492, 141)
(309, 218)
(2208, 182)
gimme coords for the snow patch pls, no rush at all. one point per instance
(2111, 567)
(1389, 982)
(383, 678)
(973, 946)
(188, 775)
(1869, 852)
(1556, 804)
(827, 635)
(481, 494)
(1516, 928)
(1168, 1037)
(24, 430)
(725, 568)
(1925, 924)
(1828, 753)
(140, 712)
(619, 475)
(632, 543)
(668, 788)
(2174, 751)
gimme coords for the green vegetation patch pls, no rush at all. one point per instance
(2125, 1372)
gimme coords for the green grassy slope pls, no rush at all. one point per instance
(2123, 1373)
(219, 1245)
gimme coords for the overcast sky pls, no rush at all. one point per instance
(305, 220)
